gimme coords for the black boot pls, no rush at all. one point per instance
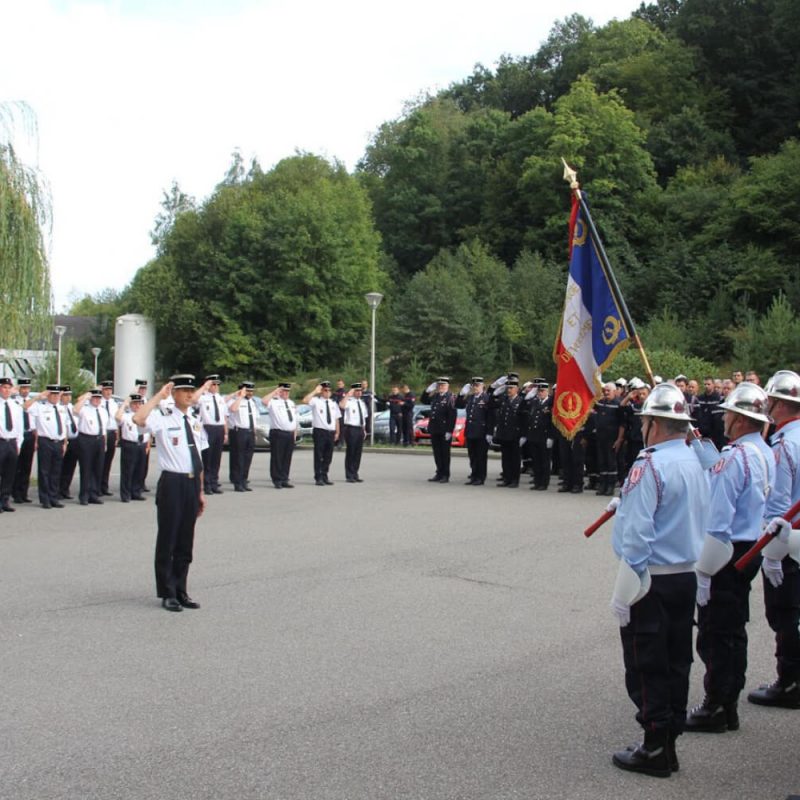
(601, 486)
(672, 754)
(711, 717)
(780, 695)
(649, 758)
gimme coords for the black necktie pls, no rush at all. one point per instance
(250, 412)
(59, 426)
(71, 419)
(216, 408)
(9, 422)
(26, 420)
(360, 414)
(288, 410)
(108, 410)
(197, 462)
(99, 422)
(328, 411)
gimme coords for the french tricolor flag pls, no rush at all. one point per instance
(592, 329)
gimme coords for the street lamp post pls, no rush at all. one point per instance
(373, 301)
(60, 331)
(95, 352)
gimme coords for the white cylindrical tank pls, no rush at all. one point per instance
(134, 353)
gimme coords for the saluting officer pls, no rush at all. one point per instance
(354, 420)
(283, 425)
(441, 423)
(781, 556)
(213, 414)
(740, 484)
(510, 423)
(179, 495)
(242, 414)
(325, 416)
(540, 433)
(658, 533)
(132, 446)
(11, 437)
(22, 478)
(478, 427)
(91, 445)
(51, 434)
(71, 453)
(110, 405)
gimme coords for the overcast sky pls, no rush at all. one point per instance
(133, 94)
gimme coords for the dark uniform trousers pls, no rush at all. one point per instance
(22, 474)
(408, 426)
(441, 454)
(177, 502)
(8, 468)
(91, 455)
(108, 458)
(323, 452)
(509, 458)
(131, 474)
(540, 462)
(242, 443)
(395, 427)
(721, 634)
(572, 455)
(478, 451)
(606, 458)
(657, 652)
(783, 615)
(212, 456)
(354, 442)
(68, 466)
(281, 445)
(49, 461)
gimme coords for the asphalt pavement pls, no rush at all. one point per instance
(391, 639)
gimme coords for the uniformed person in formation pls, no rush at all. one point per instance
(110, 405)
(658, 534)
(441, 423)
(354, 422)
(283, 426)
(91, 445)
(740, 484)
(71, 453)
(781, 571)
(22, 478)
(409, 401)
(213, 415)
(11, 438)
(478, 427)
(325, 416)
(132, 447)
(540, 433)
(242, 415)
(51, 435)
(509, 432)
(609, 434)
(179, 495)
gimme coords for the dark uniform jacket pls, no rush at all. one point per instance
(510, 418)
(607, 418)
(540, 419)
(480, 414)
(443, 414)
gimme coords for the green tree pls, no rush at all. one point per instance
(769, 342)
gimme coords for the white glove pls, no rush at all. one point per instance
(779, 528)
(465, 389)
(501, 381)
(773, 570)
(448, 437)
(613, 504)
(549, 444)
(488, 438)
(531, 394)
(499, 390)
(522, 441)
(703, 588)
(621, 611)
(432, 388)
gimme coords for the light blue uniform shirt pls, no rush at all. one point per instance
(739, 489)
(786, 489)
(662, 515)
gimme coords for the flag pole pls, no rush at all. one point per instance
(572, 178)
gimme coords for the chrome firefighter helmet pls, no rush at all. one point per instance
(749, 400)
(666, 400)
(784, 385)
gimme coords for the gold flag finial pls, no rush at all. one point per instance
(571, 176)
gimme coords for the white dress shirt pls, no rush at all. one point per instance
(351, 416)
(171, 443)
(111, 407)
(282, 414)
(92, 420)
(47, 418)
(241, 417)
(212, 409)
(319, 413)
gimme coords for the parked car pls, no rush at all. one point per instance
(305, 422)
(382, 421)
(421, 435)
(261, 425)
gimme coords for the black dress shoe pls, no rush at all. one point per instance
(327, 482)
(146, 489)
(84, 502)
(171, 604)
(187, 601)
(56, 504)
(239, 489)
(248, 489)
(477, 483)
(361, 480)
(577, 490)
(444, 480)
(65, 496)
(776, 694)
(512, 485)
(708, 717)
(564, 489)
(217, 490)
(351, 480)
(319, 483)
(26, 500)
(434, 479)
(43, 505)
(8, 507)
(276, 485)
(469, 482)
(106, 493)
(654, 762)
(125, 500)
(288, 485)
(96, 501)
(138, 497)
